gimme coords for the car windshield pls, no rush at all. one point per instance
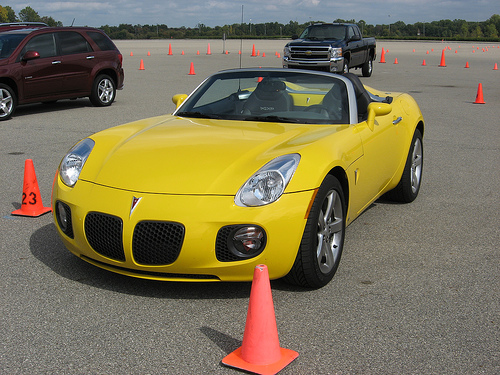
(322, 32)
(270, 95)
(9, 42)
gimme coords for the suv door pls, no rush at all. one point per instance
(41, 77)
(77, 62)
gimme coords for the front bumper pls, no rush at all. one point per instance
(201, 216)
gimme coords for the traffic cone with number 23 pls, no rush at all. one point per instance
(31, 204)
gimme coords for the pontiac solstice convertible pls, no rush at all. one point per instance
(256, 166)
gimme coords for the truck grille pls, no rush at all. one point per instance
(310, 53)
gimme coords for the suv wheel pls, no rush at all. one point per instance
(7, 102)
(103, 91)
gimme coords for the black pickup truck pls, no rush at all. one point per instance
(334, 47)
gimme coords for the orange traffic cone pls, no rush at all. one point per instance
(424, 63)
(467, 64)
(208, 50)
(131, 54)
(263, 54)
(479, 96)
(495, 67)
(191, 70)
(396, 61)
(260, 351)
(443, 62)
(149, 53)
(31, 204)
(253, 51)
(141, 65)
(382, 56)
(170, 49)
(182, 53)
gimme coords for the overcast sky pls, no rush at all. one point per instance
(221, 12)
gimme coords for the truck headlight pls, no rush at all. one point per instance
(286, 51)
(335, 53)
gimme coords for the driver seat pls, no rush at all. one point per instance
(269, 96)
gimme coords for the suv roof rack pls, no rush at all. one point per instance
(13, 24)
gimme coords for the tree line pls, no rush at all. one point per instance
(488, 30)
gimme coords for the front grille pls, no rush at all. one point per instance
(310, 53)
(104, 234)
(157, 243)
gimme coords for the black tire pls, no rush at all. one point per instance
(408, 187)
(8, 102)
(367, 68)
(323, 239)
(103, 91)
(345, 68)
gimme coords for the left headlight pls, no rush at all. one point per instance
(72, 164)
(268, 183)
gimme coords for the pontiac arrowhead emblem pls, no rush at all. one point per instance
(135, 202)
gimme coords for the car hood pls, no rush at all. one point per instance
(309, 42)
(175, 155)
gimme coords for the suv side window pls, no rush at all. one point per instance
(72, 42)
(102, 41)
(44, 44)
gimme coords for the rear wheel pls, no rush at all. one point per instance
(323, 240)
(7, 102)
(409, 185)
(103, 91)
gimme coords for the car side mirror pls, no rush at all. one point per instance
(355, 38)
(177, 99)
(377, 109)
(31, 55)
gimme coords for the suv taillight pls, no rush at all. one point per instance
(120, 57)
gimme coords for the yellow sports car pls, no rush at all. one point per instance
(256, 166)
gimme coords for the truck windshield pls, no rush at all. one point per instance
(324, 32)
(8, 43)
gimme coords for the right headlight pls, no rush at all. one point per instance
(72, 164)
(268, 183)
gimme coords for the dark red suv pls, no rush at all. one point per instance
(45, 64)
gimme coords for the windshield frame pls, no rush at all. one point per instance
(190, 109)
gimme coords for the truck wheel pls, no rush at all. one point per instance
(346, 66)
(367, 68)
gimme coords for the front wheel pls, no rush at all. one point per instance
(323, 239)
(345, 69)
(103, 91)
(7, 102)
(367, 68)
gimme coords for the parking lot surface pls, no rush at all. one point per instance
(417, 290)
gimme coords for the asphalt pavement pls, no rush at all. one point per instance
(417, 291)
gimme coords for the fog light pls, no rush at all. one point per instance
(63, 215)
(247, 241)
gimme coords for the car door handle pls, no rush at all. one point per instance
(56, 62)
(397, 121)
(90, 57)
